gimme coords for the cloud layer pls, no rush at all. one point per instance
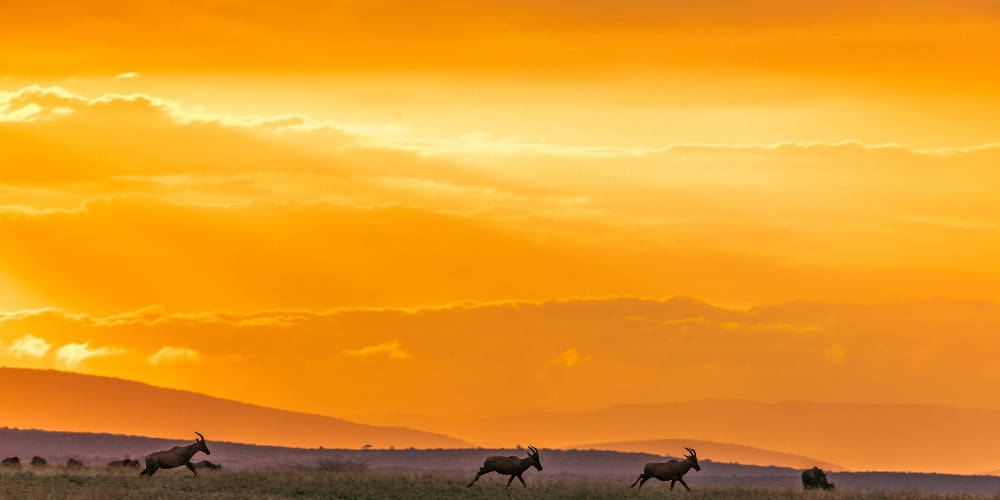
(551, 38)
(447, 361)
(249, 212)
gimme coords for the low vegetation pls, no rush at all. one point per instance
(329, 465)
(101, 483)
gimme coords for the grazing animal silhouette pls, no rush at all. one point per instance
(206, 465)
(672, 471)
(37, 461)
(510, 466)
(126, 462)
(175, 457)
(74, 464)
(815, 478)
(12, 462)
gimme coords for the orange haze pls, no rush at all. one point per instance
(464, 210)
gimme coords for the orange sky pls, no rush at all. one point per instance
(353, 208)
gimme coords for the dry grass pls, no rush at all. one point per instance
(328, 465)
(100, 484)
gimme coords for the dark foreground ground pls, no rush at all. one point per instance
(302, 483)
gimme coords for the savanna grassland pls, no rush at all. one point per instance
(58, 483)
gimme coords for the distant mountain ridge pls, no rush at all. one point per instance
(56, 400)
(719, 452)
(857, 436)
(852, 436)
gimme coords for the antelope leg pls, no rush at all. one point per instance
(644, 479)
(684, 484)
(509, 481)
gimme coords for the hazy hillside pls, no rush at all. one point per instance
(797, 434)
(720, 452)
(97, 449)
(857, 436)
(45, 399)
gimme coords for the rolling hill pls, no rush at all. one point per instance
(720, 452)
(55, 400)
(852, 436)
(857, 436)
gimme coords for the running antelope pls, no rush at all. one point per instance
(175, 457)
(672, 471)
(509, 466)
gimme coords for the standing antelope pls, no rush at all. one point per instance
(509, 466)
(175, 457)
(672, 471)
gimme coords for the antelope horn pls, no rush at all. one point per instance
(532, 449)
(690, 451)
(199, 435)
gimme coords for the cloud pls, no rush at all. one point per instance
(30, 345)
(125, 76)
(835, 353)
(449, 353)
(569, 358)
(174, 355)
(549, 41)
(73, 355)
(358, 225)
(196, 256)
(34, 102)
(390, 349)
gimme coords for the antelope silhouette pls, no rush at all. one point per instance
(509, 466)
(672, 471)
(175, 457)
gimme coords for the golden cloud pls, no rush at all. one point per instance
(73, 355)
(452, 352)
(66, 38)
(174, 355)
(391, 349)
(29, 345)
(835, 353)
(738, 223)
(569, 358)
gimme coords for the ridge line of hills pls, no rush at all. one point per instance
(57, 400)
(847, 436)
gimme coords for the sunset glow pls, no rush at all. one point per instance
(379, 208)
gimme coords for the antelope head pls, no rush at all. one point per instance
(533, 456)
(201, 443)
(693, 458)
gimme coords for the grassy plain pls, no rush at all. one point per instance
(98, 484)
